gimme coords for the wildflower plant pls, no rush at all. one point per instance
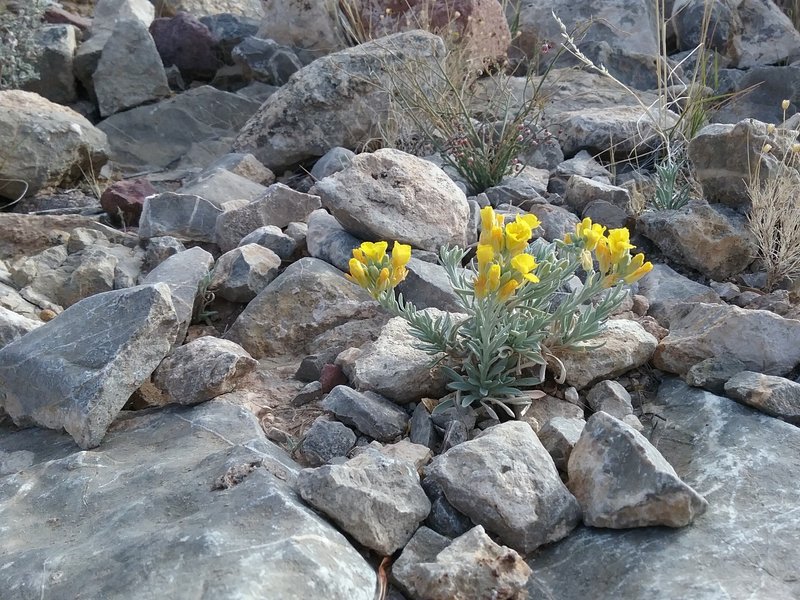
(515, 314)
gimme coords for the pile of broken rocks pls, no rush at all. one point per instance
(196, 403)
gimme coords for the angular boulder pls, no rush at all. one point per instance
(772, 395)
(76, 372)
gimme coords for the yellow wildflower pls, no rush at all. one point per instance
(766, 148)
(508, 289)
(524, 264)
(485, 254)
(357, 273)
(374, 252)
(603, 255)
(518, 234)
(383, 280)
(619, 242)
(496, 239)
(590, 233)
(401, 254)
(493, 279)
(637, 269)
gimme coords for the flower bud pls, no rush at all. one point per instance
(785, 105)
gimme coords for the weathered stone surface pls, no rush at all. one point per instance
(159, 249)
(556, 221)
(123, 200)
(13, 326)
(370, 414)
(202, 369)
(307, 299)
(767, 36)
(55, 79)
(775, 396)
(621, 480)
(218, 186)
(129, 72)
(188, 44)
(559, 436)
(744, 464)
(581, 191)
(611, 398)
(76, 373)
(712, 240)
(325, 440)
(335, 101)
(427, 286)
(241, 274)
(523, 189)
(394, 368)
(547, 407)
(279, 206)
(333, 161)
(312, 26)
(182, 216)
(273, 238)
(215, 491)
(376, 499)
(471, 566)
(416, 454)
(506, 481)
(161, 134)
(266, 60)
(45, 144)
(389, 194)
(328, 241)
(201, 8)
(245, 165)
(723, 174)
(626, 345)
(713, 373)
(762, 341)
(665, 289)
(184, 273)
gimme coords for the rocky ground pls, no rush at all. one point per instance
(196, 403)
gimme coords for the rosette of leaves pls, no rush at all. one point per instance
(515, 310)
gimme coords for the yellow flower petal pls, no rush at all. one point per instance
(485, 254)
(493, 280)
(523, 263)
(357, 273)
(401, 254)
(508, 289)
(531, 277)
(374, 251)
(532, 220)
(383, 280)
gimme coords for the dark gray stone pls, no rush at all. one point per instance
(194, 497)
(665, 289)
(266, 60)
(427, 286)
(745, 464)
(712, 373)
(182, 216)
(775, 396)
(421, 427)
(274, 239)
(559, 436)
(240, 274)
(328, 241)
(372, 415)
(444, 518)
(311, 392)
(333, 161)
(325, 440)
(610, 397)
(76, 372)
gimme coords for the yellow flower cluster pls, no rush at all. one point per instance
(503, 264)
(374, 270)
(612, 251)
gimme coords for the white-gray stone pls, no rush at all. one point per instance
(242, 273)
(772, 395)
(184, 217)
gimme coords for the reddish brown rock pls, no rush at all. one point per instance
(124, 200)
(185, 42)
(330, 377)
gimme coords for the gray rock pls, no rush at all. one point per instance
(159, 249)
(622, 481)
(328, 241)
(382, 515)
(272, 238)
(242, 273)
(55, 78)
(338, 100)
(248, 11)
(391, 195)
(559, 436)
(76, 373)
(129, 72)
(713, 372)
(547, 407)
(688, 19)
(774, 396)
(311, 392)
(556, 222)
(219, 185)
(185, 273)
(626, 345)
(766, 37)
(765, 83)
(427, 286)
(395, 368)
(581, 192)
(13, 326)
(184, 217)
(744, 464)
(525, 188)
(307, 299)
(762, 341)
(444, 519)
(472, 566)
(302, 25)
(245, 165)
(665, 289)
(325, 440)
(601, 211)
(416, 454)
(266, 60)
(278, 206)
(215, 490)
(202, 369)
(371, 415)
(46, 144)
(713, 240)
(161, 134)
(506, 481)
(334, 160)
(585, 165)
(421, 430)
(611, 398)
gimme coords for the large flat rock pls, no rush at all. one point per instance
(139, 518)
(747, 545)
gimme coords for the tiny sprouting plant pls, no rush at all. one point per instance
(774, 216)
(671, 192)
(515, 313)
(19, 50)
